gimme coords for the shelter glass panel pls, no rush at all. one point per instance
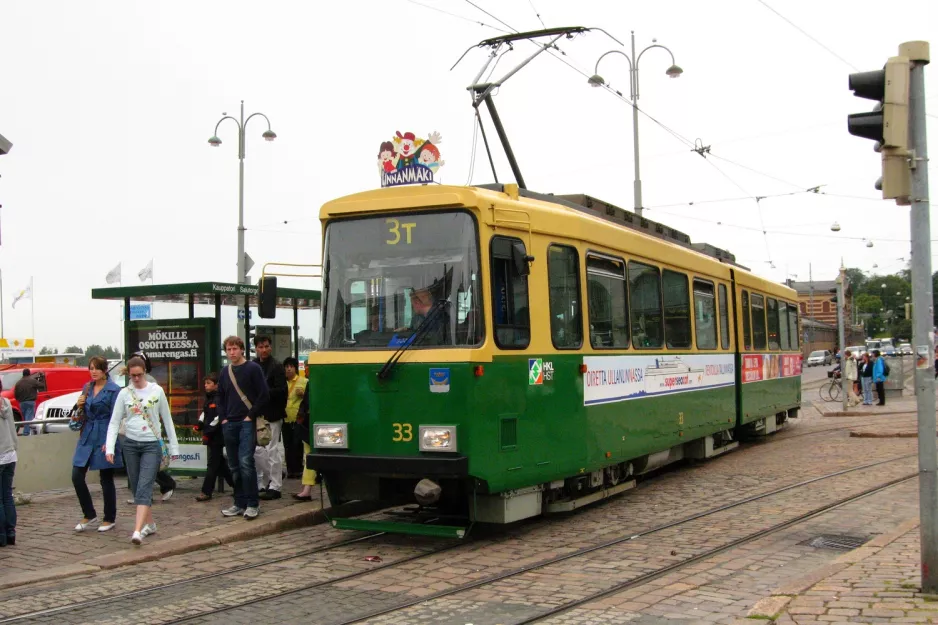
(608, 304)
(645, 294)
(676, 309)
(724, 319)
(563, 281)
(758, 321)
(403, 280)
(705, 318)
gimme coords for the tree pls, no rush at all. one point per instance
(48, 350)
(868, 303)
(856, 278)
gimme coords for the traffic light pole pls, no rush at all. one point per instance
(922, 321)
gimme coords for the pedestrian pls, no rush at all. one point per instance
(97, 400)
(242, 396)
(165, 481)
(25, 391)
(143, 411)
(851, 375)
(210, 426)
(269, 459)
(7, 469)
(880, 373)
(866, 379)
(302, 422)
(292, 438)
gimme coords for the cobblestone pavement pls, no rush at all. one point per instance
(806, 450)
(881, 588)
(46, 537)
(670, 496)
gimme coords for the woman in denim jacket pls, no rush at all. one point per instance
(98, 399)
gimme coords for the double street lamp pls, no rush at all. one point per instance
(597, 81)
(214, 141)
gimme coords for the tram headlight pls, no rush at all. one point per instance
(437, 438)
(331, 435)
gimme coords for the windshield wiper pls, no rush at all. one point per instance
(418, 334)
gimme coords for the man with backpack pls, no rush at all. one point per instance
(880, 373)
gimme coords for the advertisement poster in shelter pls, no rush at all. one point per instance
(181, 352)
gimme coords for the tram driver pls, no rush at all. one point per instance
(422, 301)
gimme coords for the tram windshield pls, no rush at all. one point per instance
(384, 276)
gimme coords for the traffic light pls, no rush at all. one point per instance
(887, 124)
(267, 297)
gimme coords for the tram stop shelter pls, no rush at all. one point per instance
(183, 350)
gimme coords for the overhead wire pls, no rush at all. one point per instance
(465, 19)
(809, 36)
(534, 8)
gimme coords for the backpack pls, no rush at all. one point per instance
(885, 368)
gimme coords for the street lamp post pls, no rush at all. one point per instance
(214, 141)
(597, 81)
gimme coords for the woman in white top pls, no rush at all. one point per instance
(141, 407)
(7, 469)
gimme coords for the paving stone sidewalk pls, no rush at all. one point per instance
(876, 583)
(48, 546)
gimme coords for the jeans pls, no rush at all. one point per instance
(28, 408)
(867, 383)
(239, 443)
(7, 507)
(84, 495)
(142, 461)
(163, 478)
(269, 460)
(215, 467)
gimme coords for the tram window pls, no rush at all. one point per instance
(676, 309)
(747, 332)
(357, 310)
(509, 297)
(783, 325)
(771, 313)
(645, 296)
(793, 335)
(758, 321)
(608, 304)
(724, 319)
(563, 281)
(705, 318)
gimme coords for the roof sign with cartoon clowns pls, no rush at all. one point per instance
(407, 159)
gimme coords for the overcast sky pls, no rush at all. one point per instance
(109, 106)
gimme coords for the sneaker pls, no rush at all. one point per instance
(251, 513)
(137, 538)
(233, 511)
(168, 494)
(105, 527)
(84, 523)
(130, 501)
(148, 530)
(269, 494)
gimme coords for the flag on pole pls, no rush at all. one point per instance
(114, 275)
(26, 293)
(147, 272)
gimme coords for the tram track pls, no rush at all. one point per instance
(320, 585)
(189, 581)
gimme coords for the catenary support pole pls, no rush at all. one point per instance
(842, 346)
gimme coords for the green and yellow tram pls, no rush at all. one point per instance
(499, 354)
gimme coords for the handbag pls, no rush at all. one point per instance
(164, 448)
(77, 416)
(262, 433)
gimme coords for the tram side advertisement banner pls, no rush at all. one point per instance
(621, 378)
(761, 367)
(181, 352)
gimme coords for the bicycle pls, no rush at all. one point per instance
(832, 391)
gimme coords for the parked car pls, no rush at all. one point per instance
(905, 349)
(55, 380)
(822, 357)
(56, 408)
(857, 351)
